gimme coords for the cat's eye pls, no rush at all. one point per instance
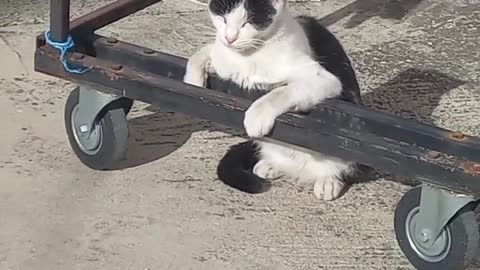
(244, 24)
(223, 19)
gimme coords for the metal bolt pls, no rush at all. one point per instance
(471, 168)
(83, 128)
(116, 67)
(78, 56)
(457, 135)
(424, 236)
(476, 167)
(433, 155)
(112, 40)
(148, 51)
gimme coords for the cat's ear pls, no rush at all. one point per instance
(279, 4)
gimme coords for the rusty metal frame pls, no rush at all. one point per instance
(450, 160)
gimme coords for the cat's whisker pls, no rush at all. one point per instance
(245, 45)
(251, 43)
(259, 43)
(255, 39)
(242, 43)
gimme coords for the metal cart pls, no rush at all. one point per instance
(435, 223)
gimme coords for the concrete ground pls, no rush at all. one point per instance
(165, 209)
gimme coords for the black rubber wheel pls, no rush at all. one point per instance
(126, 104)
(108, 142)
(455, 249)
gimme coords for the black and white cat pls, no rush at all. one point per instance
(259, 43)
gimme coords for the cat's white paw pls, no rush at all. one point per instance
(195, 77)
(328, 188)
(266, 170)
(209, 68)
(259, 119)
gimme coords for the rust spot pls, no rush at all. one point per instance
(433, 155)
(472, 168)
(457, 135)
(116, 67)
(112, 75)
(112, 41)
(78, 56)
(148, 51)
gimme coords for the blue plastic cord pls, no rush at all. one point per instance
(63, 47)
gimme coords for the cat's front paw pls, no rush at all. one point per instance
(259, 119)
(197, 78)
(328, 188)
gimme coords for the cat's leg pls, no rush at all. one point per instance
(329, 174)
(269, 165)
(198, 66)
(326, 174)
(306, 86)
(328, 189)
(267, 170)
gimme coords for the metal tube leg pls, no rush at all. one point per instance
(437, 207)
(59, 20)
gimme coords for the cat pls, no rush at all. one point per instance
(260, 45)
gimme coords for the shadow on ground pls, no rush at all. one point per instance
(413, 94)
(159, 134)
(362, 10)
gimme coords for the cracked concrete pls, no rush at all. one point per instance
(165, 209)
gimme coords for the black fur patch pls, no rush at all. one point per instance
(260, 12)
(331, 55)
(235, 169)
(223, 7)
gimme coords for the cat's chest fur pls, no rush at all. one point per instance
(262, 70)
(248, 71)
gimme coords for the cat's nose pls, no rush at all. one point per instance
(231, 38)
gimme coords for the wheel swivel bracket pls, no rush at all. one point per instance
(91, 103)
(437, 207)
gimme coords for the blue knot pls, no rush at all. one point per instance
(63, 47)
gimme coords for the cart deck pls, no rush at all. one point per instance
(445, 161)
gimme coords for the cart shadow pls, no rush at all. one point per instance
(156, 135)
(159, 134)
(363, 10)
(413, 94)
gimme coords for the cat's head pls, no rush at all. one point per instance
(243, 24)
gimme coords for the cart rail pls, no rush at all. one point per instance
(386, 142)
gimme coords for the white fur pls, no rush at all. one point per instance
(278, 55)
(266, 170)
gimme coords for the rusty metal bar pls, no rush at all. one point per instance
(108, 14)
(335, 128)
(411, 132)
(59, 19)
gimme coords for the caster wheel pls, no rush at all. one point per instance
(107, 144)
(455, 249)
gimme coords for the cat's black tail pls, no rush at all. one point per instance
(235, 169)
